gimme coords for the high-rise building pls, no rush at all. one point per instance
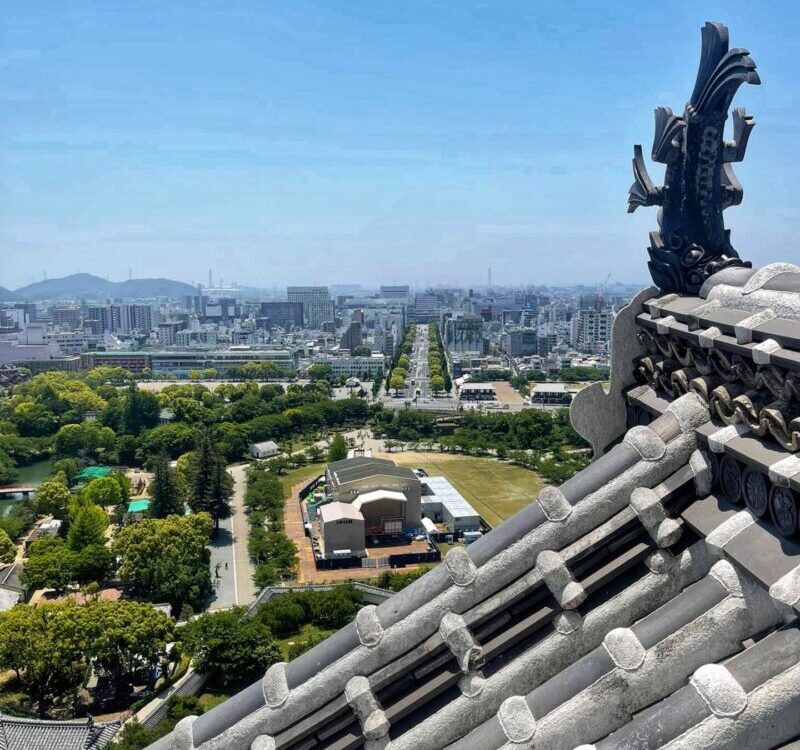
(222, 308)
(282, 313)
(30, 311)
(465, 334)
(122, 318)
(593, 301)
(546, 342)
(594, 329)
(426, 308)
(167, 332)
(12, 317)
(97, 319)
(196, 303)
(522, 341)
(318, 307)
(66, 316)
(352, 337)
(141, 317)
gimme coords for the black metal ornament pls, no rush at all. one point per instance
(699, 183)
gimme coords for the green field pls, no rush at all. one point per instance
(212, 698)
(495, 489)
(305, 474)
(307, 632)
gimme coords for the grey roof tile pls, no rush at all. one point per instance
(33, 734)
(763, 554)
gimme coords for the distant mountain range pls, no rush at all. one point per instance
(85, 285)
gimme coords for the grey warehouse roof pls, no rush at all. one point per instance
(449, 496)
(363, 467)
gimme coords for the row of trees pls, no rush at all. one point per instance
(557, 467)
(534, 438)
(274, 554)
(396, 377)
(258, 371)
(524, 430)
(437, 364)
(287, 614)
(399, 373)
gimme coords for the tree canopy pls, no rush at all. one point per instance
(44, 646)
(210, 485)
(125, 636)
(165, 496)
(53, 499)
(338, 448)
(103, 492)
(52, 564)
(167, 559)
(49, 646)
(8, 549)
(231, 649)
(87, 526)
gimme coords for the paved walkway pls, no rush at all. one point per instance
(223, 571)
(245, 588)
(231, 571)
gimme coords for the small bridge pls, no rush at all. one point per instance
(17, 489)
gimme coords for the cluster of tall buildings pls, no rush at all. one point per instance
(354, 330)
(118, 318)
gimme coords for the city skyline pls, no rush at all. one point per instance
(281, 290)
(441, 448)
(325, 144)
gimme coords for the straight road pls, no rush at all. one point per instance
(231, 571)
(223, 571)
(245, 588)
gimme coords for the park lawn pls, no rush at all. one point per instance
(307, 632)
(212, 698)
(445, 547)
(497, 490)
(304, 474)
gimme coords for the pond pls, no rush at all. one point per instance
(34, 474)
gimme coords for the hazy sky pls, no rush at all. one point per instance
(397, 142)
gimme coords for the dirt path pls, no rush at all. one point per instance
(506, 393)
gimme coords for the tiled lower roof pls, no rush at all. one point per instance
(32, 734)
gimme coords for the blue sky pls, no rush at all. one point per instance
(333, 142)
